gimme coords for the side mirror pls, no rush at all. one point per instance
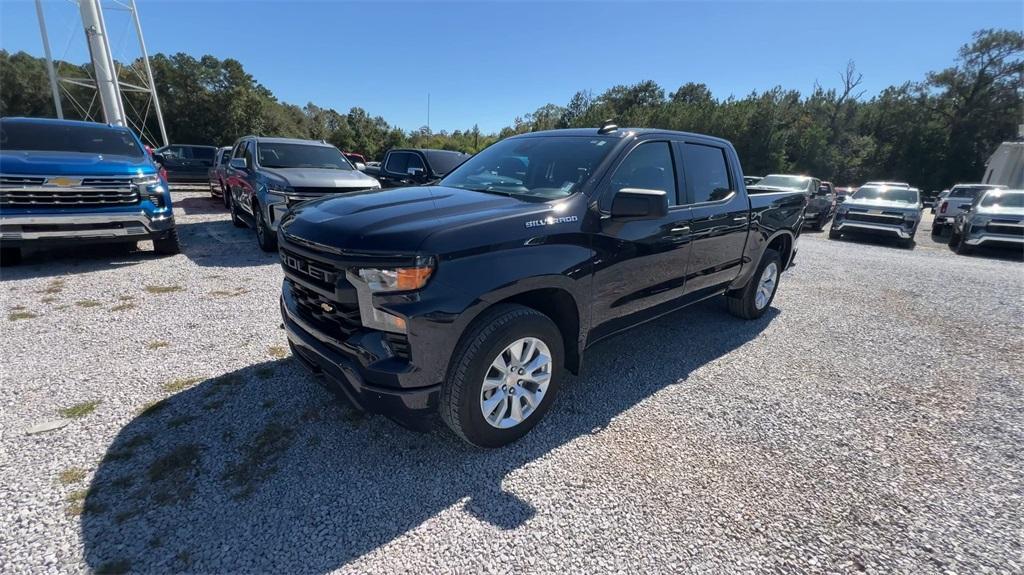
(359, 166)
(158, 158)
(640, 203)
(239, 164)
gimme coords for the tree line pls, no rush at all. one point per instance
(932, 132)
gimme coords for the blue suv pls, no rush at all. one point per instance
(71, 182)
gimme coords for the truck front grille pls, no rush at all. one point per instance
(884, 218)
(326, 315)
(36, 192)
(1005, 227)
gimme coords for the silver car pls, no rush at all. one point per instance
(267, 176)
(994, 218)
(880, 210)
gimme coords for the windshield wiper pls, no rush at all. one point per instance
(487, 190)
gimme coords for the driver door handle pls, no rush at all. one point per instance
(680, 230)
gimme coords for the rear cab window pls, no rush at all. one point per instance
(707, 173)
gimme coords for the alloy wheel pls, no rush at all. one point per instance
(766, 285)
(515, 383)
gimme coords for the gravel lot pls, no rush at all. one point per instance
(851, 429)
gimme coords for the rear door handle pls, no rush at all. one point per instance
(680, 230)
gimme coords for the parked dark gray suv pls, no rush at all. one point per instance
(267, 176)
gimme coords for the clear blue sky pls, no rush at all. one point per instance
(486, 63)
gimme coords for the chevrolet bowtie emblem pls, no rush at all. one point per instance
(328, 308)
(64, 182)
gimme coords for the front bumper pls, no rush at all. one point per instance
(354, 371)
(872, 228)
(126, 226)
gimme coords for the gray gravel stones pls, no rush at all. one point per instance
(851, 429)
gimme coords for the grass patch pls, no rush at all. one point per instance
(153, 407)
(71, 475)
(78, 505)
(125, 297)
(229, 293)
(54, 287)
(163, 289)
(259, 459)
(157, 344)
(173, 474)
(47, 299)
(181, 384)
(278, 351)
(88, 303)
(21, 314)
(79, 409)
(123, 306)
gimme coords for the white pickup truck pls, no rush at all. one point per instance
(959, 195)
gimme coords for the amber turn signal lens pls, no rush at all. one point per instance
(412, 278)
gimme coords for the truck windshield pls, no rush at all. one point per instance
(45, 137)
(798, 183)
(968, 191)
(283, 155)
(1000, 199)
(905, 195)
(546, 168)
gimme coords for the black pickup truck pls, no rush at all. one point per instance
(468, 298)
(414, 166)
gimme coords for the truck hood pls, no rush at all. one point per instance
(995, 211)
(880, 205)
(72, 164)
(400, 219)
(321, 178)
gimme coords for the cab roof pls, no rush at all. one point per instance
(60, 122)
(618, 133)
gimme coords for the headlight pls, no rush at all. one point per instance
(278, 188)
(914, 215)
(841, 210)
(396, 279)
(150, 180)
(978, 221)
(149, 187)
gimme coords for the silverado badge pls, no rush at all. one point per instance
(63, 182)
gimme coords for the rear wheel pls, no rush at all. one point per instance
(225, 196)
(961, 246)
(754, 299)
(264, 235)
(937, 229)
(834, 234)
(503, 377)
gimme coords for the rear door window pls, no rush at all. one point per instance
(707, 174)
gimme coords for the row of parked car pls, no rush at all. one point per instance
(464, 291)
(975, 214)
(260, 178)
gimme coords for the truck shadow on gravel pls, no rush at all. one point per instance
(261, 470)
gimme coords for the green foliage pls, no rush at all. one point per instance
(932, 133)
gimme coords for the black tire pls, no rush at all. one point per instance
(834, 234)
(10, 256)
(954, 238)
(225, 196)
(937, 229)
(264, 235)
(167, 245)
(236, 220)
(483, 342)
(743, 302)
(962, 247)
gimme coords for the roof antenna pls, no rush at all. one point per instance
(607, 127)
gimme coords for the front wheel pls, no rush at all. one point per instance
(167, 245)
(834, 234)
(503, 377)
(264, 235)
(937, 229)
(236, 220)
(753, 300)
(962, 247)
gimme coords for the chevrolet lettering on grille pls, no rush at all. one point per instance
(305, 268)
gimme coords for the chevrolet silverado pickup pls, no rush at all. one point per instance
(70, 182)
(414, 166)
(880, 210)
(994, 218)
(467, 299)
(821, 200)
(960, 197)
(267, 176)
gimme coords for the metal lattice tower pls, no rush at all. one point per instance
(111, 80)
